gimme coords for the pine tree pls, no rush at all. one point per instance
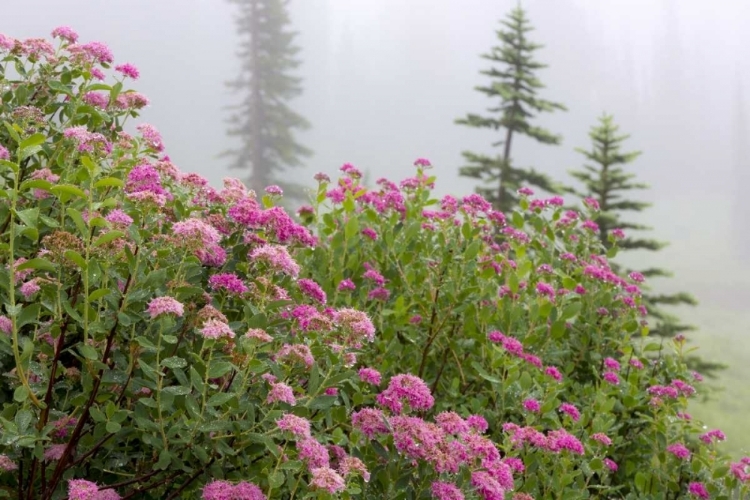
(515, 86)
(263, 120)
(606, 180)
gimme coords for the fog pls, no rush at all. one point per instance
(384, 81)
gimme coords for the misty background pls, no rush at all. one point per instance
(385, 79)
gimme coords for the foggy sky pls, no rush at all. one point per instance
(385, 79)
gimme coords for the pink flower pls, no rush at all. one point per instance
(257, 333)
(129, 70)
(698, 490)
(325, 478)
(277, 257)
(151, 136)
(4, 154)
(618, 233)
(80, 489)
(97, 51)
(446, 491)
(487, 486)
(274, 190)
(118, 218)
(96, 99)
(356, 323)
(6, 464)
(216, 329)
(296, 352)
(312, 290)
(602, 438)
(196, 233)
(525, 191)
(30, 288)
(451, 422)
(611, 378)
(313, 453)
(66, 33)
(611, 465)
(281, 392)
(351, 465)
(6, 43)
(54, 452)
(422, 162)
(370, 376)
(636, 363)
(224, 490)
(478, 423)
(571, 410)
(554, 373)
(406, 388)
(710, 436)
(370, 233)
(298, 426)
(346, 284)
(545, 289)
(532, 405)
(591, 203)
(229, 282)
(369, 421)
(6, 326)
(331, 391)
(165, 305)
(679, 450)
(611, 364)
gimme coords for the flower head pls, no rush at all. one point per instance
(165, 305)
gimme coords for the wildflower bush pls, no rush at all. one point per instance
(164, 339)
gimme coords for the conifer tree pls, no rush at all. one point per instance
(263, 120)
(514, 86)
(606, 180)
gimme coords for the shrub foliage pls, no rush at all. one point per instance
(165, 339)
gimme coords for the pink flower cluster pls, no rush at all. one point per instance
(80, 489)
(224, 490)
(406, 389)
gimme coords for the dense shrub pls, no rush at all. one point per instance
(164, 339)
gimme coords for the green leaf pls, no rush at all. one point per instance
(219, 369)
(33, 140)
(219, 399)
(174, 362)
(177, 390)
(88, 352)
(29, 217)
(109, 182)
(107, 237)
(77, 258)
(23, 420)
(20, 394)
(558, 329)
(322, 402)
(28, 315)
(571, 310)
(37, 263)
(276, 479)
(78, 220)
(67, 189)
(513, 282)
(59, 87)
(525, 381)
(112, 427)
(640, 481)
(99, 294)
(9, 164)
(352, 225)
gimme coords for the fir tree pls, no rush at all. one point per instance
(606, 180)
(263, 120)
(515, 86)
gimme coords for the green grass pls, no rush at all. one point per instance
(724, 336)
